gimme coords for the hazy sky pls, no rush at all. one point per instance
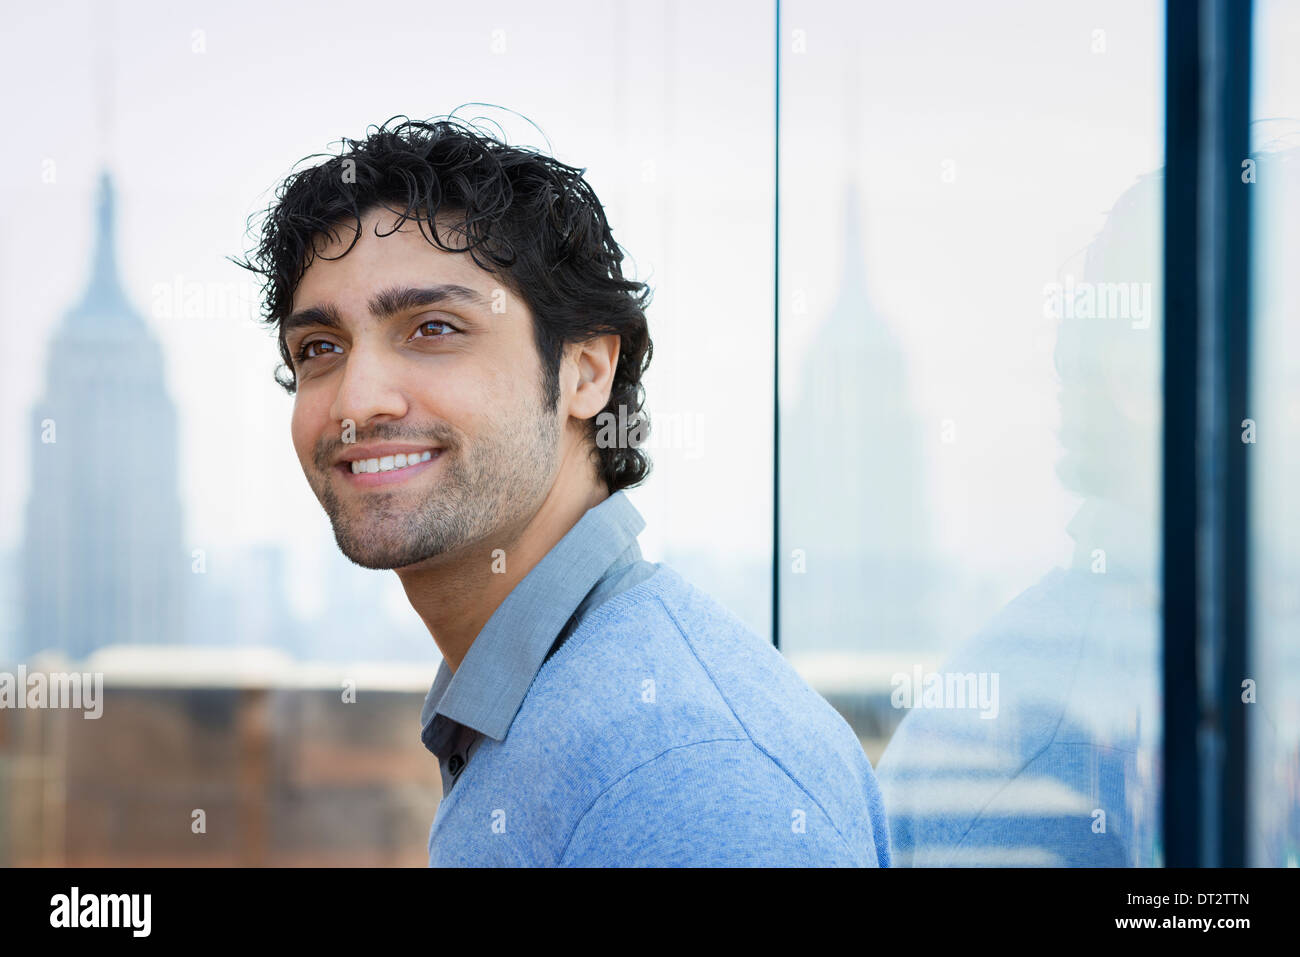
(669, 107)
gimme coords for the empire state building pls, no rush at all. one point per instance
(104, 561)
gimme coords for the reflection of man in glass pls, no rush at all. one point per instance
(1068, 773)
(466, 360)
(1062, 770)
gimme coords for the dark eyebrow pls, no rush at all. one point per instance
(385, 304)
(400, 298)
(325, 315)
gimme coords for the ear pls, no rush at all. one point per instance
(596, 361)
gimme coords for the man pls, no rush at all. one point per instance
(466, 359)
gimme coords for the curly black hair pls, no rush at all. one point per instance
(524, 216)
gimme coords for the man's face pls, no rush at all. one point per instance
(452, 385)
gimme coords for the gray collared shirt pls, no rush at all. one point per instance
(595, 560)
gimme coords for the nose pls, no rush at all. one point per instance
(369, 388)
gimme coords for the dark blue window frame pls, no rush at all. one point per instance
(1206, 376)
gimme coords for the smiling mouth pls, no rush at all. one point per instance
(385, 470)
(389, 463)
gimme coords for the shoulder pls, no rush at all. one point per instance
(623, 689)
(668, 665)
(663, 690)
(1021, 788)
(721, 803)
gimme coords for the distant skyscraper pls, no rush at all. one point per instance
(853, 482)
(103, 557)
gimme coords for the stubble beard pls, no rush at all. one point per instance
(481, 487)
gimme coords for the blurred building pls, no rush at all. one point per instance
(201, 759)
(857, 551)
(103, 561)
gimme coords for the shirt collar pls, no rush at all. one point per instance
(487, 690)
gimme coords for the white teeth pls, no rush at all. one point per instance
(390, 462)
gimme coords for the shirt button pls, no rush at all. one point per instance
(455, 763)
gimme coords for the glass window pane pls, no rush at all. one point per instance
(1273, 818)
(172, 514)
(970, 407)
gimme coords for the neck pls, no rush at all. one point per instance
(456, 594)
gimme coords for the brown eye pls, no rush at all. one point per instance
(422, 330)
(307, 351)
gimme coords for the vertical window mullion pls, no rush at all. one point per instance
(776, 345)
(1206, 362)
(1181, 784)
